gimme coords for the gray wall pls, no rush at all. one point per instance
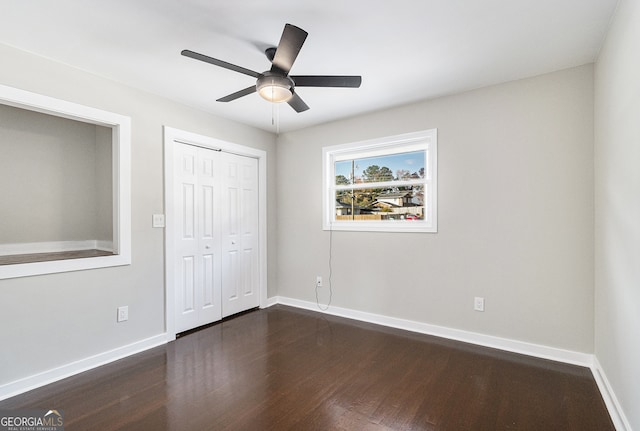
(48, 178)
(617, 141)
(515, 216)
(56, 319)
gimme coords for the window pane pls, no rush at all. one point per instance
(392, 167)
(380, 204)
(344, 172)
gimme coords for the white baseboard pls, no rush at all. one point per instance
(270, 302)
(539, 351)
(32, 382)
(613, 405)
(103, 245)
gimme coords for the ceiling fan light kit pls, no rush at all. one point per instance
(275, 85)
(275, 88)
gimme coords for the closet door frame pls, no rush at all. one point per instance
(172, 135)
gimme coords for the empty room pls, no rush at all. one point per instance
(320, 215)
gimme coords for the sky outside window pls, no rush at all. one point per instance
(412, 162)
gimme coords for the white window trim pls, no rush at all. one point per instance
(121, 150)
(426, 139)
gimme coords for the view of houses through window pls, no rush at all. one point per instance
(387, 187)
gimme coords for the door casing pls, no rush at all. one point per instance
(172, 135)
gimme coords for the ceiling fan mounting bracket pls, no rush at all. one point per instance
(270, 52)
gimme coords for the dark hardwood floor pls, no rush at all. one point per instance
(13, 259)
(288, 369)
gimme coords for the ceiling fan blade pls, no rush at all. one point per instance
(288, 48)
(297, 103)
(237, 94)
(220, 63)
(327, 81)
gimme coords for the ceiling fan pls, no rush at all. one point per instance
(276, 85)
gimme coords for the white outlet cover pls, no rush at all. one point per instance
(478, 303)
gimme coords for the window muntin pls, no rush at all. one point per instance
(387, 184)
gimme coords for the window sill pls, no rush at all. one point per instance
(387, 226)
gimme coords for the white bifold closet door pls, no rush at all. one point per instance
(216, 219)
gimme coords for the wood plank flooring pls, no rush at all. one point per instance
(13, 259)
(287, 369)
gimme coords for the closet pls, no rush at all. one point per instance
(215, 215)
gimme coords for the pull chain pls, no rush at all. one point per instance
(275, 117)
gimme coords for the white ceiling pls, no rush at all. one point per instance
(405, 50)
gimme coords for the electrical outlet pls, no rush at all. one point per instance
(123, 313)
(478, 303)
(318, 281)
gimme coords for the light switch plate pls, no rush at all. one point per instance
(158, 220)
(478, 303)
(123, 313)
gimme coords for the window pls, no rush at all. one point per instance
(386, 185)
(65, 183)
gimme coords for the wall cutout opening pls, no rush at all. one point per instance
(65, 186)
